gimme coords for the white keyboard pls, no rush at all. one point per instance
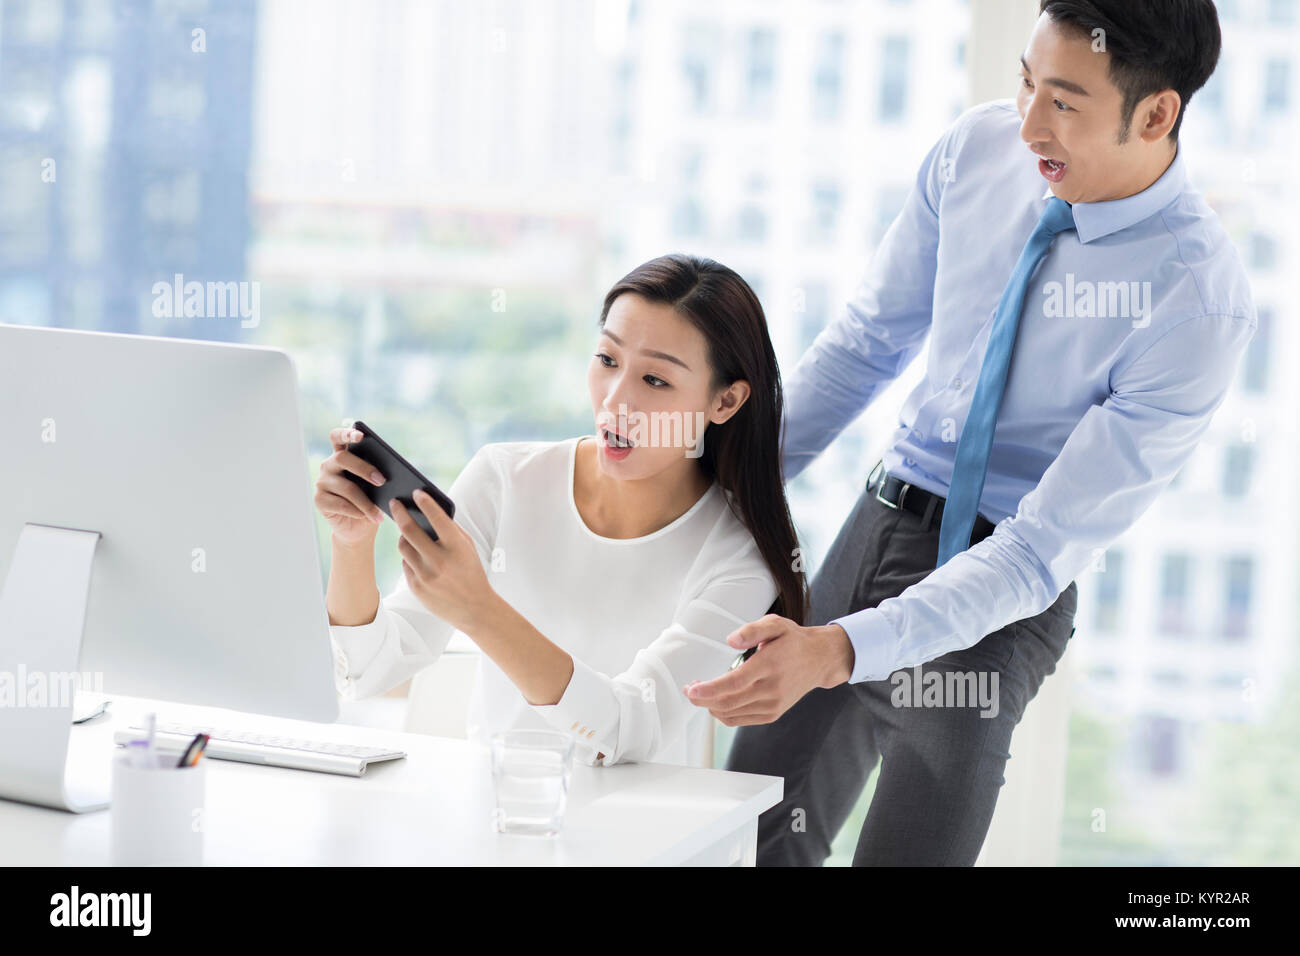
(246, 747)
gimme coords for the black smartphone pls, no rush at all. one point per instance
(403, 479)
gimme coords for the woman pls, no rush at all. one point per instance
(633, 552)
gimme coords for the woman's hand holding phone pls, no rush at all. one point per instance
(353, 518)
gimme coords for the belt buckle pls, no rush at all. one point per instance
(885, 501)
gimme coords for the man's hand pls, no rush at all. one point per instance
(790, 661)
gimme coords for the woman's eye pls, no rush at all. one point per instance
(1024, 80)
(605, 360)
(656, 382)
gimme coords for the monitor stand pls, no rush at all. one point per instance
(42, 618)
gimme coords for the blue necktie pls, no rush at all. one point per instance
(976, 441)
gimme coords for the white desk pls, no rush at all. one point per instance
(432, 808)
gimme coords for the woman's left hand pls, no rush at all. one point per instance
(446, 575)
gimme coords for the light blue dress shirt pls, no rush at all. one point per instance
(1131, 334)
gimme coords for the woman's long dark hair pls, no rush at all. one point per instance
(743, 454)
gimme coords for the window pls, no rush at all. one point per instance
(1263, 252)
(699, 48)
(1237, 463)
(751, 223)
(815, 300)
(622, 124)
(688, 219)
(1277, 86)
(1159, 742)
(1108, 581)
(1175, 580)
(889, 203)
(760, 70)
(34, 22)
(1238, 572)
(825, 211)
(828, 76)
(692, 162)
(1254, 366)
(1210, 96)
(893, 79)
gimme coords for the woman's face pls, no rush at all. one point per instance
(650, 389)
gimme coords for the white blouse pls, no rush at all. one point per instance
(641, 617)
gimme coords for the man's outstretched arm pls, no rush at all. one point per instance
(1115, 463)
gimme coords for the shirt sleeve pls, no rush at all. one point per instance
(635, 715)
(405, 637)
(879, 331)
(1117, 460)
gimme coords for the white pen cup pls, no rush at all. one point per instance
(157, 813)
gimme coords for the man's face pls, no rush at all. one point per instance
(1070, 113)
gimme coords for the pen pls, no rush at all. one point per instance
(743, 657)
(151, 723)
(137, 754)
(194, 751)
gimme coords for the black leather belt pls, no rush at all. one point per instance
(894, 492)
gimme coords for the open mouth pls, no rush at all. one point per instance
(1053, 170)
(615, 440)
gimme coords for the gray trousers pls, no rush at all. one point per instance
(941, 766)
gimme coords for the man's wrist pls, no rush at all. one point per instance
(839, 656)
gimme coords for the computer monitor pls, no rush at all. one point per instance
(186, 459)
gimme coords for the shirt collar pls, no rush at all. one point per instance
(1092, 220)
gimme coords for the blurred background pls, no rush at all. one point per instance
(432, 196)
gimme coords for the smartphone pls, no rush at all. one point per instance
(403, 479)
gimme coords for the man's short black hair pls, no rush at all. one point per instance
(1153, 45)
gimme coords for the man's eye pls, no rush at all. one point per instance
(1024, 80)
(1060, 107)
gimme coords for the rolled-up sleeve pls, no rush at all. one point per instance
(636, 714)
(405, 637)
(1118, 459)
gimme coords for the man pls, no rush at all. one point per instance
(1086, 315)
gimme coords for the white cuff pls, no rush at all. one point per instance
(587, 711)
(353, 648)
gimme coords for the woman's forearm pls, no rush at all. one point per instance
(539, 668)
(352, 597)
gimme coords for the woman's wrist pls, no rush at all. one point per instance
(492, 615)
(364, 546)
